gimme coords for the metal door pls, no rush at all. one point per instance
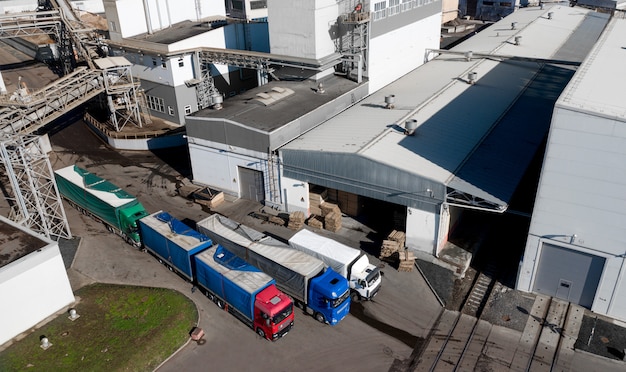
(568, 274)
(251, 184)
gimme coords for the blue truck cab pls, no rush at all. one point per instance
(329, 296)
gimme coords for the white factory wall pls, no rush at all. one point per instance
(91, 6)
(578, 205)
(17, 6)
(129, 17)
(421, 230)
(33, 288)
(216, 165)
(301, 28)
(296, 195)
(393, 54)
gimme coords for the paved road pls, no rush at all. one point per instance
(379, 334)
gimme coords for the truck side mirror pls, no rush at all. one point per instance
(267, 322)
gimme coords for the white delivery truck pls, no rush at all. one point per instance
(364, 278)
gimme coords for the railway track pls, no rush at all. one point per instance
(462, 341)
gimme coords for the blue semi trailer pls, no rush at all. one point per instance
(172, 242)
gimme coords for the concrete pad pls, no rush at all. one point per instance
(437, 340)
(456, 344)
(502, 345)
(566, 351)
(469, 362)
(546, 349)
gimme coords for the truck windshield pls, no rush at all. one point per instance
(372, 277)
(341, 299)
(278, 318)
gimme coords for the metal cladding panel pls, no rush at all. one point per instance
(456, 120)
(334, 254)
(290, 268)
(508, 150)
(227, 132)
(598, 87)
(362, 176)
(389, 24)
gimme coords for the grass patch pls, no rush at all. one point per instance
(121, 328)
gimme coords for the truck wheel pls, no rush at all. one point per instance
(260, 332)
(354, 297)
(320, 317)
(220, 304)
(210, 296)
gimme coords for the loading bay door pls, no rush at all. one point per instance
(251, 184)
(568, 274)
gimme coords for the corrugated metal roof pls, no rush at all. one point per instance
(599, 84)
(460, 139)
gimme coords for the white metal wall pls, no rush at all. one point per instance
(217, 165)
(133, 18)
(32, 288)
(301, 27)
(400, 51)
(580, 201)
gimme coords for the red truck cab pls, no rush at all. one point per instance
(273, 313)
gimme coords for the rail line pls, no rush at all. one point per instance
(462, 340)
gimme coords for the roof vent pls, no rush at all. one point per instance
(541, 5)
(471, 77)
(390, 100)
(518, 40)
(216, 101)
(513, 25)
(410, 126)
(468, 55)
(320, 88)
(550, 14)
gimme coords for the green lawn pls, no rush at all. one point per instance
(121, 328)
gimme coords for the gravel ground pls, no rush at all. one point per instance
(601, 337)
(508, 308)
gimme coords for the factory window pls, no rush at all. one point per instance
(188, 110)
(181, 63)
(237, 5)
(380, 10)
(170, 110)
(113, 26)
(394, 7)
(156, 103)
(163, 63)
(154, 62)
(259, 4)
(407, 5)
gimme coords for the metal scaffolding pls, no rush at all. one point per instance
(34, 199)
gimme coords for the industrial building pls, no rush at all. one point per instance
(576, 244)
(33, 280)
(456, 134)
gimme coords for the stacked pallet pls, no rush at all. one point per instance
(394, 243)
(332, 221)
(327, 208)
(388, 248)
(276, 220)
(397, 236)
(349, 203)
(407, 260)
(296, 220)
(315, 222)
(317, 197)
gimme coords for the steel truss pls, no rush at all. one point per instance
(31, 111)
(466, 200)
(34, 198)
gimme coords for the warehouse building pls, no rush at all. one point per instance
(456, 134)
(576, 247)
(33, 281)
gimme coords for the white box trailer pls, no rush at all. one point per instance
(364, 278)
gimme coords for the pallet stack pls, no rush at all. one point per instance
(332, 216)
(296, 220)
(315, 222)
(317, 197)
(407, 260)
(394, 243)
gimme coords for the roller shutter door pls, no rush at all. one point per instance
(251, 183)
(568, 274)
